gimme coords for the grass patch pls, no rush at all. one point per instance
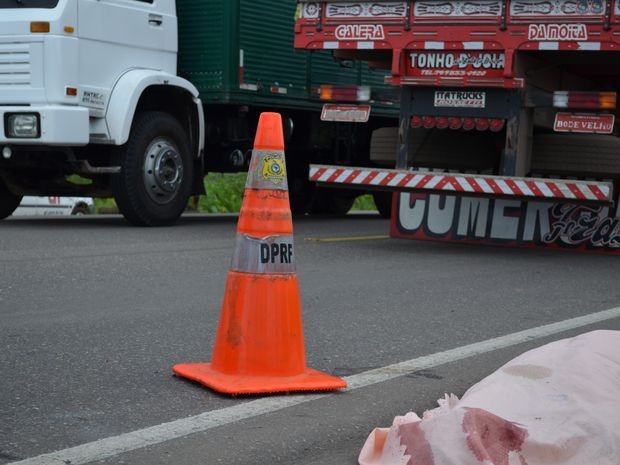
(105, 206)
(225, 194)
(79, 180)
(364, 203)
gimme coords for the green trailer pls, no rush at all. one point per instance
(240, 56)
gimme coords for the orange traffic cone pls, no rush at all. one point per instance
(259, 344)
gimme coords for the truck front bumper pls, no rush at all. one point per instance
(57, 125)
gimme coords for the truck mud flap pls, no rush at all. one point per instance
(574, 215)
(506, 222)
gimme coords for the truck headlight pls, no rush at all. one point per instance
(22, 125)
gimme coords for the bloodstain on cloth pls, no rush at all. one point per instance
(416, 446)
(491, 438)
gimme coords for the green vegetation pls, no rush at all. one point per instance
(105, 206)
(77, 179)
(225, 192)
(364, 203)
(225, 196)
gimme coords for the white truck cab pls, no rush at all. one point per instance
(89, 87)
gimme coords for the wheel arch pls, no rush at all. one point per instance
(148, 90)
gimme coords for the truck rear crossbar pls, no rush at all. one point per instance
(591, 192)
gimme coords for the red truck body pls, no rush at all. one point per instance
(476, 41)
(507, 128)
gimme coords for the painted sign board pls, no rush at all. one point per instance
(558, 8)
(345, 113)
(360, 32)
(462, 63)
(357, 10)
(512, 223)
(457, 9)
(459, 99)
(560, 32)
(585, 123)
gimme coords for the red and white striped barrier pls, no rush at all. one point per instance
(473, 184)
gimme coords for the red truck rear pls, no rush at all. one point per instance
(507, 128)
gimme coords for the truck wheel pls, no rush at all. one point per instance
(383, 202)
(300, 195)
(331, 202)
(154, 184)
(8, 201)
(80, 209)
(300, 189)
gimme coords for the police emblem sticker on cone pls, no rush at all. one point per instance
(259, 345)
(267, 171)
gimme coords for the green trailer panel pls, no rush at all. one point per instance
(266, 38)
(204, 44)
(241, 52)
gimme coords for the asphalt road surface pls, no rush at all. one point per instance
(94, 313)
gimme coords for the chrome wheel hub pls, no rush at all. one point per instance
(163, 170)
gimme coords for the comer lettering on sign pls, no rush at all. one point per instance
(505, 222)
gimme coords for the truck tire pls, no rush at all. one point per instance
(300, 195)
(80, 209)
(383, 202)
(300, 189)
(154, 184)
(332, 202)
(8, 201)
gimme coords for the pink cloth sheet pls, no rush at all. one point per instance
(557, 404)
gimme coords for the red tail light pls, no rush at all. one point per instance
(469, 124)
(429, 122)
(576, 99)
(454, 123)
(344, 93)
(416, 121)
(482, 124)
(496, 124)
(441, 122)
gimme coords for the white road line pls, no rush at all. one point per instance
(109, 447)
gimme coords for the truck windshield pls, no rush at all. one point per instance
(28, 3)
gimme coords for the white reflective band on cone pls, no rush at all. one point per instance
(267, 170)
(269, 255)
